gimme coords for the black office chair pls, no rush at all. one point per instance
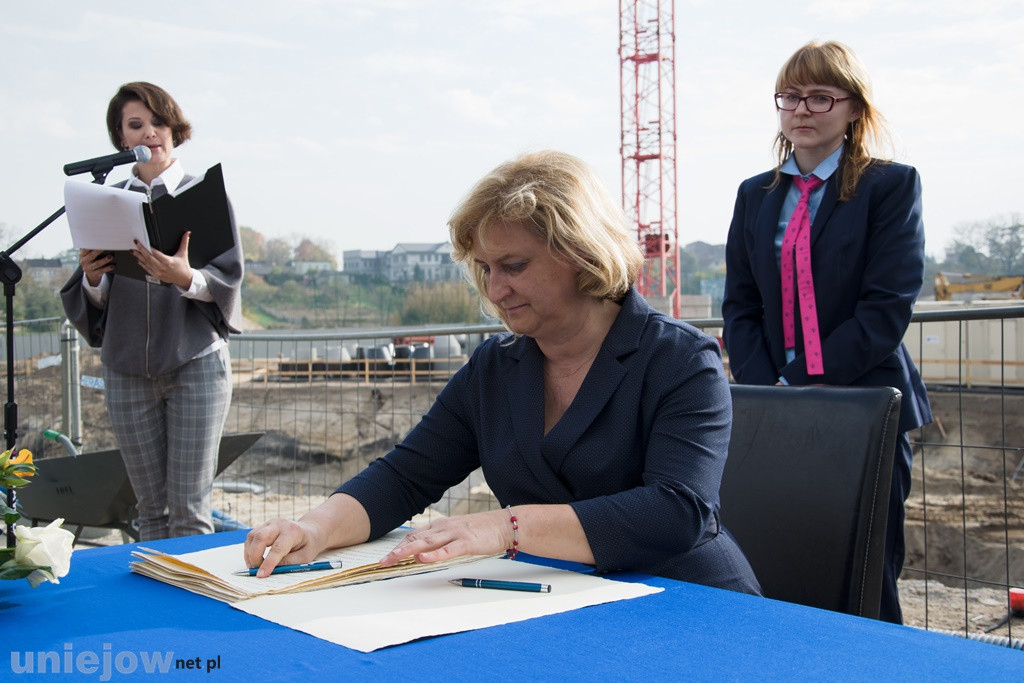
(806, 490)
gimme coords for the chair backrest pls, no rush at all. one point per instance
(805, 490)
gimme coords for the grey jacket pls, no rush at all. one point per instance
(150, 329)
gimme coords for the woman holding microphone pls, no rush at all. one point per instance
(166, 369)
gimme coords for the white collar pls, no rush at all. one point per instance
(170, 178)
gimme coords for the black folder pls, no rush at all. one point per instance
(200, 207)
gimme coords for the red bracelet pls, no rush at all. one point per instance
(510, 553)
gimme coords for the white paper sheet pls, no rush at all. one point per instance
(370, 616)
(104, 217)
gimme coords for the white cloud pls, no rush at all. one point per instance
(473, 107)
(415, 65)
(98, 28)
(879, 10)
(43, 119)
(327, 108)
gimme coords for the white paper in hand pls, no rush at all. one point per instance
(104, 217)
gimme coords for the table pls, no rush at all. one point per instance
(118, 623)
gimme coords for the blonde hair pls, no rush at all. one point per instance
(562, 200)
(834, 64)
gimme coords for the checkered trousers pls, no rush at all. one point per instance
(168, 429)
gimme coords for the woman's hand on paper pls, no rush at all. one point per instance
(338, 522)
(281, 541)
(483, 533)
(174, 268)
(95, 262)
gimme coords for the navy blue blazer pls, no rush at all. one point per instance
(867, 257)
(638, 454)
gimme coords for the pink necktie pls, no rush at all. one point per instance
(796, 249)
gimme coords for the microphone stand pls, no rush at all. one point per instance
(10, 275)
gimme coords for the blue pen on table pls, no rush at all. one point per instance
(292, 568)
(502, 585)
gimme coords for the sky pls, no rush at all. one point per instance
(361, 124)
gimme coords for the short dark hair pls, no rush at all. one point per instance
(157, 100)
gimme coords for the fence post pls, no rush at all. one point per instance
(70, 384)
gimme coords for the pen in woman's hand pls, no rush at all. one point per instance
(292, 568)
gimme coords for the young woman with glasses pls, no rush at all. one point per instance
(825, 258)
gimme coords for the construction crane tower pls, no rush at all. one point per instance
(648, 144)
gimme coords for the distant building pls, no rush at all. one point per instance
(407, 262)
(307, 267)
(69, 258)
(362, 262)
(49, 272)
(424, 262)
(259, 267)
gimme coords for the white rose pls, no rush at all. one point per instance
(44, 546)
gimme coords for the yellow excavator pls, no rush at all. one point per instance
(1002, 286)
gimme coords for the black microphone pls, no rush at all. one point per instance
(103, 164)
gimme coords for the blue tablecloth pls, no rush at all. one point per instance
(104, 623)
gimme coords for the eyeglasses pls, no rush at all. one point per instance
(816, 104)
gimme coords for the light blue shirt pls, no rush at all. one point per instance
(824, 171)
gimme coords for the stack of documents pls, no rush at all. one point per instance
(212, 572)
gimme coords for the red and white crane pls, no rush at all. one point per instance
(648, 144)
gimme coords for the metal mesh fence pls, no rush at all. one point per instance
(328, 403)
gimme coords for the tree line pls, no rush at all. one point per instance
(330, 300)
(285, 299)
(278, 252)
(991, 247)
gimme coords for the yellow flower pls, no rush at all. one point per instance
(24, 457)
(16, 470)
